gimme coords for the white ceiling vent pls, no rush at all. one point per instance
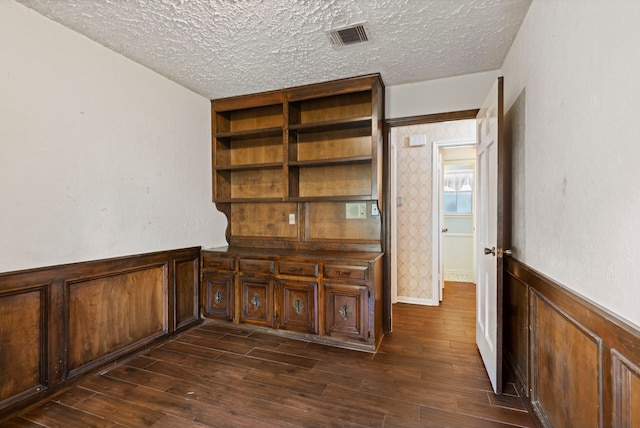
(351, 35)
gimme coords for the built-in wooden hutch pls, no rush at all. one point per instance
(298, 174)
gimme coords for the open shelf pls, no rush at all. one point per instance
(337, 124)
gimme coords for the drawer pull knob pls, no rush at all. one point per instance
(298, 306)
(295, 269)
(345, 312)
(215, 264)
(256, 302)
(218, 297)
(343, 272)
(253, 266)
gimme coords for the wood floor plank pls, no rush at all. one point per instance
(427, 373)
(52, 414)
(119, 410)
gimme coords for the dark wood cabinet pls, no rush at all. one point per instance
(346, 311)
(218, 295)
(328, 297)
(257, 301)
(298, 306)
(298, 174)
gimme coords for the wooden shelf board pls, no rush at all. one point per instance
(353, 122)
(273, 165)
(329, 162)
(262, 132)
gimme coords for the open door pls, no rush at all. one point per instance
(493, 230)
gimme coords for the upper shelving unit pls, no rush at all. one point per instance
(318, 142)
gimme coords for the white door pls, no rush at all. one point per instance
(489, 246)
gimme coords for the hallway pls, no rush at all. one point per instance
(427, 373)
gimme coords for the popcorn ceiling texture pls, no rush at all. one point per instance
(221, 48)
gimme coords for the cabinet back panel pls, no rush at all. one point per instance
(250, 118)
(334, 144)
(327, 221)
(351, 105)
(264, 183)
(268, 220)
(249, 151)
(335, 180)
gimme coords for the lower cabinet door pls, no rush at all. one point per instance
(257, 301)
(297, 306)
(219, 296)
(346, 308)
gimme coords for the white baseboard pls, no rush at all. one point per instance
(417, 301)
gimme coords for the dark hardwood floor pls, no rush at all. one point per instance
(427, 373)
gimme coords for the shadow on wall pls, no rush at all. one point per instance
(514, 135)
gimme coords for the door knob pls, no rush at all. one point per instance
(491, 251)
(445, 230)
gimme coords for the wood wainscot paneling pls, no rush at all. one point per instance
(578, 363)
(113, 314)
(22, 343)
(61, 322)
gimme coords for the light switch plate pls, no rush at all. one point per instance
(356, 210)
(292, 219)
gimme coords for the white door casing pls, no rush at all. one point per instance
(437, 214)
(488, 288)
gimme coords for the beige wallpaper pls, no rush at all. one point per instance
(414, 215)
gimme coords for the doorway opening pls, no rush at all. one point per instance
(415, 207)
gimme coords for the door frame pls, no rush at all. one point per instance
(437, 214)
(387, 200)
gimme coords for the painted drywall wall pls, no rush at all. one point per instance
(571, 94)
(99, 156)
(439, 96)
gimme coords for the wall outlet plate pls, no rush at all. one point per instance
(292, 219)
(356, 210)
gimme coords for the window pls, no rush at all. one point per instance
(458, 191)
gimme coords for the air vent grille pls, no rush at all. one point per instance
(348, 35)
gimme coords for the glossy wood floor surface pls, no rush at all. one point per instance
(427, 373)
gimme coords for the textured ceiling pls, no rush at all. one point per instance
(221, 48)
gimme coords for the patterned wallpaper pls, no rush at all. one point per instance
(414, 216)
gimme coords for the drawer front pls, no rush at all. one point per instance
(211, 262)
(298, 268)
(257, 266)
(346, 272)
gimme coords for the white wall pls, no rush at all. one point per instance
(99, 156)
(572, 86)
(439, 96)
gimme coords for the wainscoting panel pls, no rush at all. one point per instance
(563, 390)
(579, 363)
(111, 314)
(626, 376)
(187, 283)
(516, 328)
(62, 321)
(22, 342)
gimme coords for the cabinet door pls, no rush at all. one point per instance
(297, 302)
(257, 301)
(346, 308)
(219, 296)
